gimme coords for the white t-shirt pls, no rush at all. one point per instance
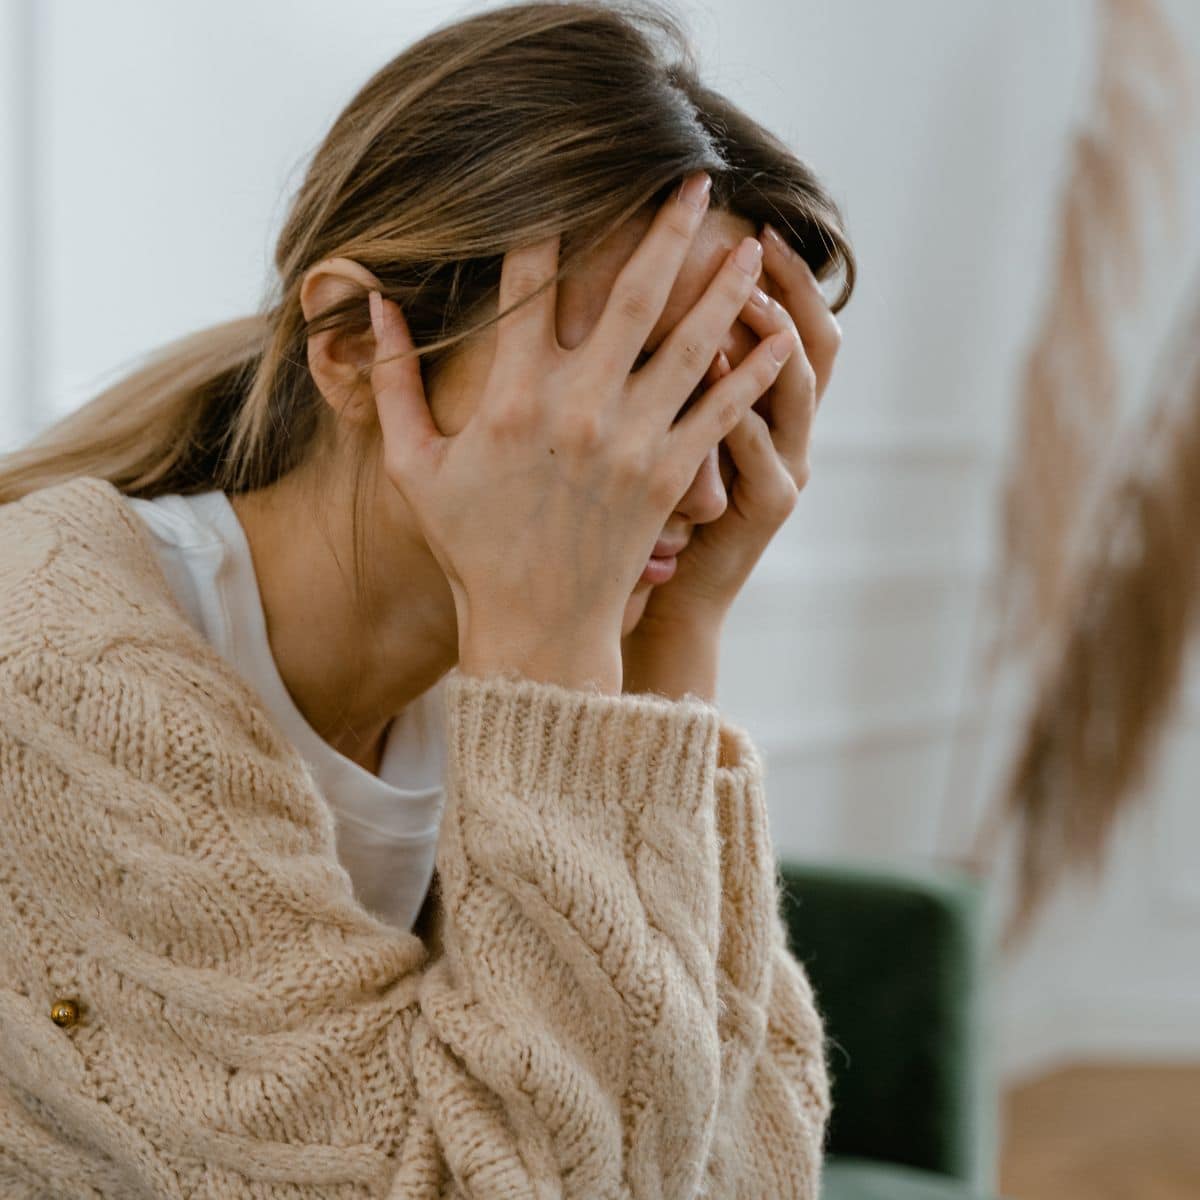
(387, 825)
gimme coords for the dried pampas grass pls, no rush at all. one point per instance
(1098, 580)
(1108, 688)
(1142, 104)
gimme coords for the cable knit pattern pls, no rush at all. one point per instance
(610, 1009)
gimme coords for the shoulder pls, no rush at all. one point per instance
(74, 555)
(92, 633)
(87, 511)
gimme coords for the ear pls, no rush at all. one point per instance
(336, 358)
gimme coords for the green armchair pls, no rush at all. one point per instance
(896, 960)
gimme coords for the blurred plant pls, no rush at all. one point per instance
(1070, 379)
(1098, 581)
(1116, 670)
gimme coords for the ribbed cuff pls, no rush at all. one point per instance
(741, 754)
(512, 733)
(752, 923)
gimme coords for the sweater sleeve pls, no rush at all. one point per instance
(775, 1095)
(247, 1029)
(568, 1043)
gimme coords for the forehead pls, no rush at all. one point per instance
(582, 295)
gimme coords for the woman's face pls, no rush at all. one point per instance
(456, 388)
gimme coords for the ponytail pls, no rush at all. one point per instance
(160, 429)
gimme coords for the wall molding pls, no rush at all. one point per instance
(1034, 1040)
(909, 445)
(881, 731)
(786, 567)
(886, 729)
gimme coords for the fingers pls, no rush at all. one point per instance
(720, 409)
(793, 397)
(767, 482)
(640, 292)
(801, 296)
(679, 364)
(404, 418)
(530, 331)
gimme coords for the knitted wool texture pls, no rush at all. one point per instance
(611, 1011)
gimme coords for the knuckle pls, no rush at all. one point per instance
(808, 375)
(582, 430)
(728, 415)
(522, 281)
(789, 497)
(766, 370)
(632, 466)
(511, 412)
(633, 303)
(678, 225)
(692, 353)
(733, 289)
(395, 467)
(761, 433)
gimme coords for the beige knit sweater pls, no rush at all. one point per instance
(611, 1012)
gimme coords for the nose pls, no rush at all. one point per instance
(706, 498)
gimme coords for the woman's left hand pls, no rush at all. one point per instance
(683, 617)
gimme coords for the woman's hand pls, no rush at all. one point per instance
(543, 510)
(674, 647)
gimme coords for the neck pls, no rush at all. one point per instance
(349, 668)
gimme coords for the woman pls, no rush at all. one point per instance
(233, 582)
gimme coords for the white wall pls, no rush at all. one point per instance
(148, 153)
(15, 220)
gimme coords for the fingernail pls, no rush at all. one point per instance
(748, 254)
(781, 346)
(758, 297)
(694, 192)
(775, 238)
(723, 367)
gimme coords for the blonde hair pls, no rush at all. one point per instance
(493, 132)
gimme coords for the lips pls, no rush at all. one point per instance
(667, 549)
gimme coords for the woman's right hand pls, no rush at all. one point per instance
(544, 509)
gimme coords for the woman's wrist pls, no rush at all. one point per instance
(673, 663)
(580, 667)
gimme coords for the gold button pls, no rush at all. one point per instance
(64, 1012)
